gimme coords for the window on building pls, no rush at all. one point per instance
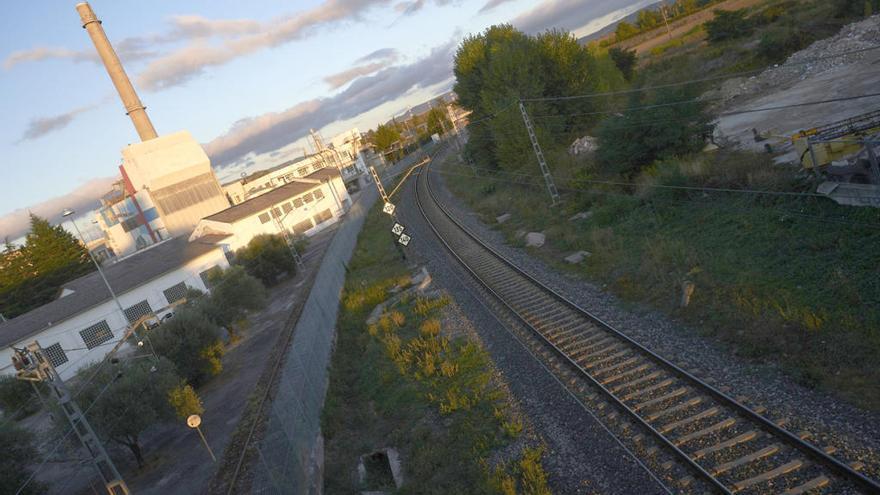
(56, 354)
(136, 311)
(302, 227)
(208, 275)
(302, 171)
(319, 195)
(264, 218)
(276, 212)
(175, 293)
(96, 334)
(323, 216)
(287, 207)
(307, 198)
(151, 214)
(297, 203)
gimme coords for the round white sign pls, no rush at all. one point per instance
(193, 421)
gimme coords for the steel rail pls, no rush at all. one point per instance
(835, 465)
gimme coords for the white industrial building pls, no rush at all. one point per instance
(303, 206)
(84, 323)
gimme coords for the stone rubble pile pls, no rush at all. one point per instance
(580, 146)
(819, 57)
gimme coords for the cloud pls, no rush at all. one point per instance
(380, 54)
(82, 199)
(41, 126)
(575, 15)
(268, 132)
(182, 65)
(380, 59)
(46, 53)
(491, 4)
(412, 6)
(185, 27)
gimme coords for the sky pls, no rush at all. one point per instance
(247, 79)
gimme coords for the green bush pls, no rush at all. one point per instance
(625, 60)
(233, 294)
(776, 44)
(268, 258)
(192, 342)
(17, 397)
(671, 123)
(727, 25)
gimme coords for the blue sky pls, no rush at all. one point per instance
(247, 79)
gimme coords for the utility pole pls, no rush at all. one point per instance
(665, 21)
(32, 364)
(545, 171)
(379, 184)
(290, 242)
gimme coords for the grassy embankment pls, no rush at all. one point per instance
(781, 279)
(403, 383)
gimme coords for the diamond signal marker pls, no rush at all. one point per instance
(388, 208)
(404, 239)
(397, 229)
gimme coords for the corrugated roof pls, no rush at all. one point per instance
(89, 290)
(267, 200)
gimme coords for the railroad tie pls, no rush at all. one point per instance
(647, 390)
(671, 410)
(653, 402)
(721, 425)
(638, 381)
(813, 484)
(620, 376)
(754, 456)
(733, 442)
(690, 419)
(768, 475)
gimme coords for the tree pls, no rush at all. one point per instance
(268, 258)
(625, 60)
(496, 68)
(31, 275)
(671, 123)
(385, 138)
(438, 122)
(17, 454)
(192, 342)
(185, 401)
(127, 398)
(728, 24)
(233, 294)
(625, 31)
(17, 396)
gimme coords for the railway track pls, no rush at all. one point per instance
(732, 448)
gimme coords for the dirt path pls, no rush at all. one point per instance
(644, 42)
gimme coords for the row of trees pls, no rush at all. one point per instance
(648, 19)
(496, 68)
(392, 138)
(31, 274)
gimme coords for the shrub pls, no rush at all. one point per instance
(625, 60)
(671, 123)
(268, 258)
(233, 293)
(727, 25)
(778, 43)
(185, 401)
(17, 397)
(192, 342)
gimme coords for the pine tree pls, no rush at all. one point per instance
(31, 275)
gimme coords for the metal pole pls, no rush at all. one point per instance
(279, 221)
(875, 167)
(548, 178)
(100, 271)
(813, 158)
(204, 441)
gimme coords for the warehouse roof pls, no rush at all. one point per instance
(278, 195)
(89, 290)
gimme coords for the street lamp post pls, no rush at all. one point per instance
(69, 212)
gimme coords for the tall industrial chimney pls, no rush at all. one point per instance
(133, 106)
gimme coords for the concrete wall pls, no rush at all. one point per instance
(67, 334)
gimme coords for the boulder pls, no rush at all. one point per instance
(582, 215)
(503, 218)
(535, 239)
(577, 257)
(580, 146)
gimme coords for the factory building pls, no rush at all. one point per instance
(84, 323)
(304, 206)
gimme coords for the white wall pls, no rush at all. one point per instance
(67, 332)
